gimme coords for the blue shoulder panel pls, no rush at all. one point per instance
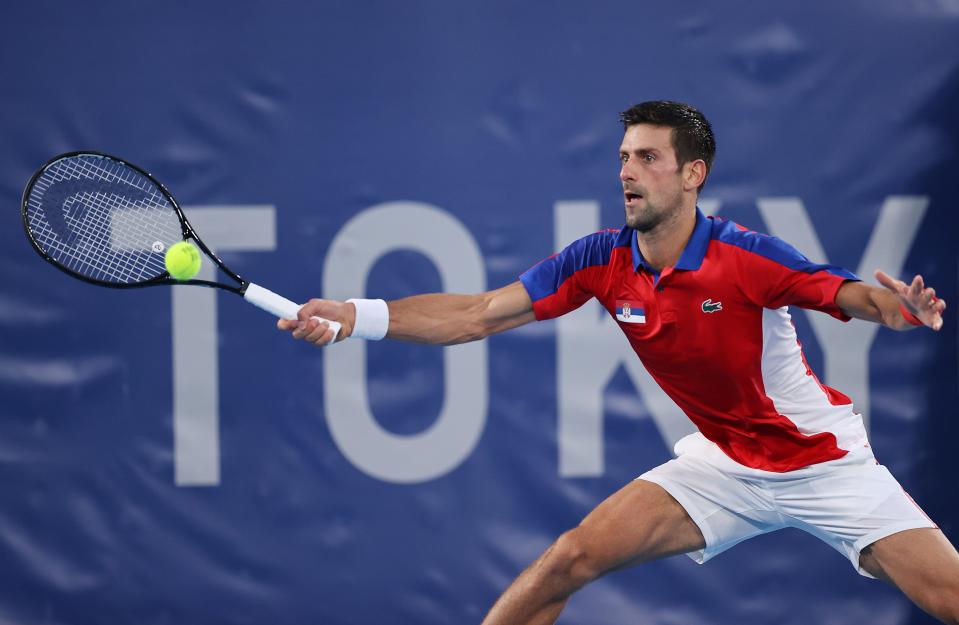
(545, 278)
(774, 249)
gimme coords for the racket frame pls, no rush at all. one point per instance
(253, 293)
(189, 234)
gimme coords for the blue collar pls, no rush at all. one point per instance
(692, 256)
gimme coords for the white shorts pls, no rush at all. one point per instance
(848, 503)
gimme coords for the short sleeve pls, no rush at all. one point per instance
(567, 280)
(775, 274)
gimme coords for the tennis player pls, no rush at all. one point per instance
(704, 304)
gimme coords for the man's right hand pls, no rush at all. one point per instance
(307, 327)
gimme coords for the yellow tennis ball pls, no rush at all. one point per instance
(182, 261)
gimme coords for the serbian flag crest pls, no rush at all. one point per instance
(630, 311)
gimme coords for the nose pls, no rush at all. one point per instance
(626, 173)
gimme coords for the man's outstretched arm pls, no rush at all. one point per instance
(440, 318)
(887, 305)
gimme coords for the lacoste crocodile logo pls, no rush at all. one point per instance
(709, 306)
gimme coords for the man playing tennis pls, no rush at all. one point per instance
(703, 303)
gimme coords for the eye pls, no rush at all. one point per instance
(623, 158)
(649, 158)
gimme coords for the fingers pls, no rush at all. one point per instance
(308, 325)
(916, 298)
(915, 295)
(314, 331)
(896, 286)
(932, 308)
(924, 299)
(303, 328)
(939, 306)
(915, 289)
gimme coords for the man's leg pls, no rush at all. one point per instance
(638, 523)
(923, 564)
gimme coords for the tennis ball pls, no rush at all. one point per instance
(182, 261)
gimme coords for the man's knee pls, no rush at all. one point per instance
(571, 560)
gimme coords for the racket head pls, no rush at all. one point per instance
(106, 221)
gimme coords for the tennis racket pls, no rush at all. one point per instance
(105, 221)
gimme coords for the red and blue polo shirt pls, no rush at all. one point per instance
(715, 333)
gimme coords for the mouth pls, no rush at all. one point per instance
(632, 197)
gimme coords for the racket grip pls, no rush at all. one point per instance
(279, 305)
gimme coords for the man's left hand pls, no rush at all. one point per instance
(916, 298)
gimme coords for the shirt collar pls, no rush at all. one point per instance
(694, 252)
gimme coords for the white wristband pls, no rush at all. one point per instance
(372, 319)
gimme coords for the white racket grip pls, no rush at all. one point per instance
(279, 305)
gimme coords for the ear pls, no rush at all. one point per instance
(694, 173)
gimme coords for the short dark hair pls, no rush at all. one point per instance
(692, 134)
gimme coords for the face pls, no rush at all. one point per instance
(652, 181)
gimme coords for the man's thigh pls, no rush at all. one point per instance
(849, 504)
(918, 557)
(638, 523)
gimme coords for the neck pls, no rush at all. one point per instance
(663, 245)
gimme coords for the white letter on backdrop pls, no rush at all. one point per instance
(196, 398)
(846, 346)
(453, 436)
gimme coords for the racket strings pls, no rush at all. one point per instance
(102, 219)
(95, 251)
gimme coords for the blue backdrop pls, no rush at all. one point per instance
(167, 456)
